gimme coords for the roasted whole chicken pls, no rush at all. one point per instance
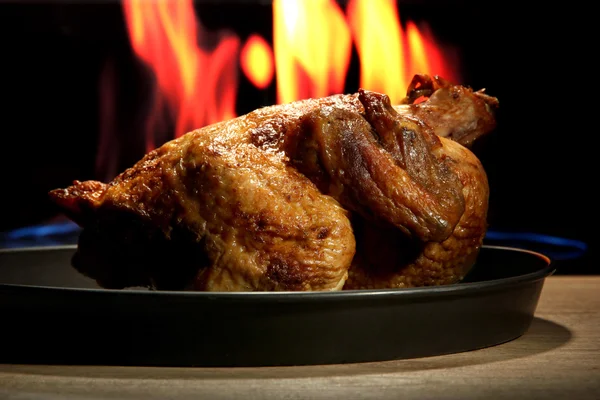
(342, 192)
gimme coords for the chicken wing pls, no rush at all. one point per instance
(453, 111)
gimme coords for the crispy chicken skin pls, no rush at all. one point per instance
(342, 192)
(388, 259)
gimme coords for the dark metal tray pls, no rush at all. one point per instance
(52, 314)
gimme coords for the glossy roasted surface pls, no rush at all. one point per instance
(320, 194)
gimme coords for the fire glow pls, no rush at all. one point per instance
(198, 85)
(197, 70)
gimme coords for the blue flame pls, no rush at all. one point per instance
(557, 248)
(60, 228)
(58, 233)
(66, 232)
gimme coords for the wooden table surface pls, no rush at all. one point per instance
(558, 358)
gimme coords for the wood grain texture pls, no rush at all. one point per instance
(559, 357)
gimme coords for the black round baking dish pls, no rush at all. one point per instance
(52, 314)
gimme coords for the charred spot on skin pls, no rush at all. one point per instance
(257, 222)
(323, 233)
(261, 223)
(455, 94)
(285, 272)
(268, 135)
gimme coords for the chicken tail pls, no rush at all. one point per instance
(78, 201)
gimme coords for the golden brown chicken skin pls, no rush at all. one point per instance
(319, 194)
(212, 210)
(420, 201)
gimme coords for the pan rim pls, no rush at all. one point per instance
(418, 292)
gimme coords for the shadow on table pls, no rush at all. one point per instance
(542, 336)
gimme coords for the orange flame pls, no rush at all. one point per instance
(257, 61)
(312, 48)
(313, 45)
(427, 56)
(311, 55)
(379, 41)
(199, 85)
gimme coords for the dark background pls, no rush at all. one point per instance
(540, 160)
